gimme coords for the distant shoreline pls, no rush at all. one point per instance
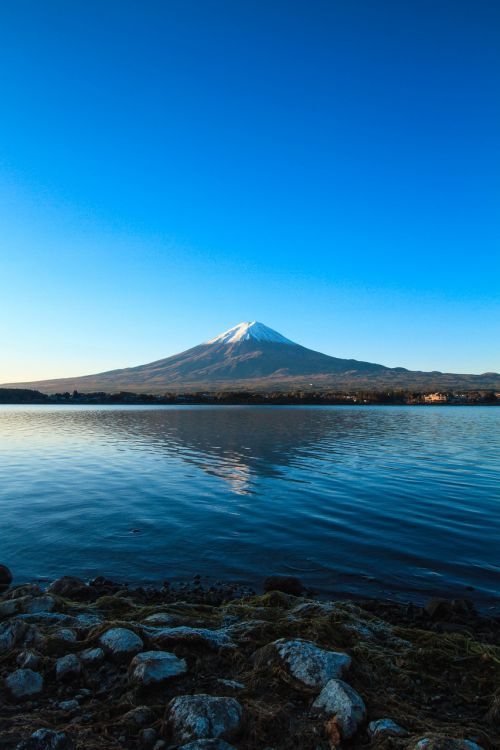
(487, 397)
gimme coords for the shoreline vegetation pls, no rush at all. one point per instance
(105, 665)
(276, 398)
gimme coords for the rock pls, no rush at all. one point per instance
(70, 705)
(386, 728)
(286, 584)
(70, 587)
(5, 578)
(307, 664)
(11, 607)
(28, 660)
(207, 745)
(201, 716)
(39, 604)
(139, 716)
(14, 632)
(86, 620)
(152, 667)
(440, 743)
(47, 739)
(214, 639)
(46, 618)
(121, 643)
(68, 667)
(92, 656)
(24, 683)
(344, 705)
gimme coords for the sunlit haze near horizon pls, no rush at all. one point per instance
(170, 169)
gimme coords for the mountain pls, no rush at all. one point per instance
(253, 356)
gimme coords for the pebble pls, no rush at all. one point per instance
(340, 701)
(66, 634)
(121, 643)
(68, 705)
(202, 716)
(23, 683)
(152, 667)
(68, 667)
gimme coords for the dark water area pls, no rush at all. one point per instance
(394, 502)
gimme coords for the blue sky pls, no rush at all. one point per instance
(169, 169)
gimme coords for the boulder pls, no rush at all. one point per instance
(24, 683)
(341, 703)
(152, 667)
(121, 643)
(68, 667)
(47, 739)
(305, 662)
(386, 728)
(285, 584)
(199, 717)
(5, 578)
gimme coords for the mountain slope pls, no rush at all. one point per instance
(251, 355)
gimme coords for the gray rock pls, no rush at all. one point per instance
(341, 702)
(46, 618)
(306, 663)
(214, 639)
(121, 643)
(86, 620)
(24, 683)
(207, 745)
(68, 667)
(70, 705)
(387, 728)
(11, 607)
(15, 632)
(47, 739)
(196, 717)
(439, 743)
(66, 634)
(39, 604)
(152, 667)
(92, 656)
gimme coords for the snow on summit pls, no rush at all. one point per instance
(253, 331)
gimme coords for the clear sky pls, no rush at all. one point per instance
(170, 168)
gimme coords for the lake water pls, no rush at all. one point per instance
(399, 502)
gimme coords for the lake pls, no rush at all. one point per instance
(398, 502)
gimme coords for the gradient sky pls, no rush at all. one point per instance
(171, 168)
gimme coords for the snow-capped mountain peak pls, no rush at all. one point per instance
(252, 331)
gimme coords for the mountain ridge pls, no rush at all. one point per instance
(252, 355)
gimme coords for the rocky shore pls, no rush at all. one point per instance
(86, 666)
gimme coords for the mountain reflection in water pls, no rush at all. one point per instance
(372, 500)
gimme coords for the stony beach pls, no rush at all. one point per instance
(88, 665)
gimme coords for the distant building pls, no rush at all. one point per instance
(433, 398)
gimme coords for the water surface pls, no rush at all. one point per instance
(391, 501)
